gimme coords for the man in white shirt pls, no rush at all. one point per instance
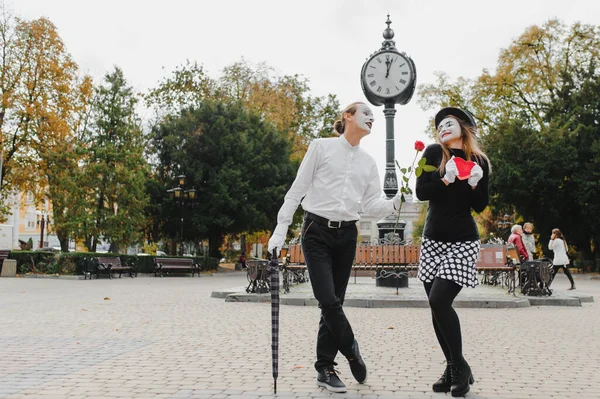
(333, 177)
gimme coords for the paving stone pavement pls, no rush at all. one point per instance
(167, 338)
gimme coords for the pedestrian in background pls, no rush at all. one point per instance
(528, 239)
(516, 238)
(558, 245)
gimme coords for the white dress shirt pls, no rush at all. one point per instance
(333, 177)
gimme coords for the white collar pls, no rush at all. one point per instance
(347, 144)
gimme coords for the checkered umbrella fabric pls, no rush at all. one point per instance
(274, 274)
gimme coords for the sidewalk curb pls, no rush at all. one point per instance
(392, 303)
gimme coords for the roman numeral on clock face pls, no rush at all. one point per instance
(387, 91)
(402, 81)
(372, 83)
(370, 75)
(379, 89)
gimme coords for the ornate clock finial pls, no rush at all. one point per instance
(388, 35)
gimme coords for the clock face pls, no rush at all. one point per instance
(387, 74)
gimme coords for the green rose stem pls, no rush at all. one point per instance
(404, 182)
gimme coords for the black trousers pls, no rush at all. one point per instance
(329, 254)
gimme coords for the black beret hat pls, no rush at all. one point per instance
(465, 116)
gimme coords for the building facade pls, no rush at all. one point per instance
(24, 223)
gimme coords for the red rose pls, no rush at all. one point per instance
(419, 145)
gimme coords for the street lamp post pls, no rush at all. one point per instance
(184, 197)
(43, 220)
(504, 224)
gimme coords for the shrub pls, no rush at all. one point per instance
(77, 262)
(32, 261)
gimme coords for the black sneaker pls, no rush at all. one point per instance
(357, 364)
(328, 379)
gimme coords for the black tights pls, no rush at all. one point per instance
(441, 294)
(555, 270)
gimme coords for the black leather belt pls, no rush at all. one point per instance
(329, 223)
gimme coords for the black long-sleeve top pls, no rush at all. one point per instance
(449, 216)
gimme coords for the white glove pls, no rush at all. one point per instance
(276, 241)
(451, 170)
(476, 175)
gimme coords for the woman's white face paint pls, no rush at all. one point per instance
(364, 117)
(448, 130)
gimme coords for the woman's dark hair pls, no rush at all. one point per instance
(560, 235)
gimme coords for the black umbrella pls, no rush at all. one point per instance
(274, 270)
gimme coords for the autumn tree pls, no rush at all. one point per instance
(285, 101)
(43, 107)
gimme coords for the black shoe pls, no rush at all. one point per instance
(357, 364)
(444, 384)
(461, 376)
(328, 379)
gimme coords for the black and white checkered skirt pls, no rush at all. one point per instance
(453, 261)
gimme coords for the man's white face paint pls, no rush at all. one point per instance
(448, 130)
(364, 117)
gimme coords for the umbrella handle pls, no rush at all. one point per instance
(274, 263)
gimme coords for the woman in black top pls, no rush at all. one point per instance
(451, 243)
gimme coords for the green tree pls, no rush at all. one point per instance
(114, 171)
(187, 87)
(239, 163)
(284, 101)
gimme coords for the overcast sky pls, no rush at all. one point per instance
(327, 41)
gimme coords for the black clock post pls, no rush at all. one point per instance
(388, 77)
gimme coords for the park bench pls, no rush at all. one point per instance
(498, 263)
(175, 265)
(110, 265)
(384, 261)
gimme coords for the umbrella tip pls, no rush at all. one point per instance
(275, 387)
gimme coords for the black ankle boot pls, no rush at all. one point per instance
(444, 383)
(461, 375)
